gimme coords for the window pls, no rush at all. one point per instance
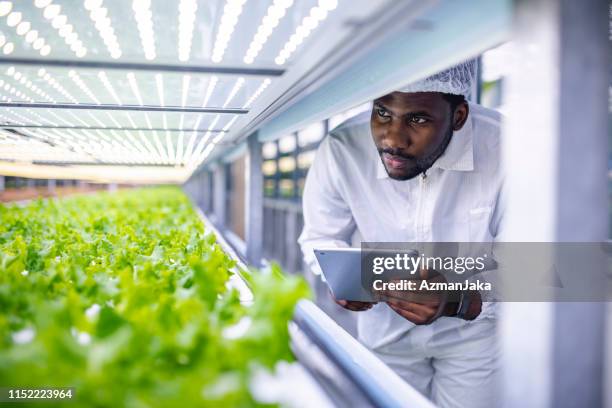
(312, 134)
(269, 167)
(305, 159)
(269, 150)
(286, 164)
(286, 144)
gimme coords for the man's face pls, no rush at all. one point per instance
(411, 130)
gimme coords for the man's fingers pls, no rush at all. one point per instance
(413, 297)
(407, 314)
(354, 305)
(418, 308)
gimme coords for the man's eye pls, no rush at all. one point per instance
(382, 113)
(418, 120)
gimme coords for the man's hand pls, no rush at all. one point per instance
(424, 307)
(353, 305)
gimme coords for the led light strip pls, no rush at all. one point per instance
(109, 87)
(185, 92)
(169, 144)
(56, 116)
(220, 136)
(103, 24)
(231, 12)
(84, 88)
(60, 23)
(187, 16)
(179, 145)
(142, 14)
(309, 23)
(77, 118)
(139, 146)
(23, 28)
(160, 149)
(56, 85)
(214, 142)
(237, 86)
(22, 80)
(21, 117)
(275, 12)
(159, 82)
(194, 133)
(258, 92)
(203, 140)
(209, 90)
(149, 146)
(134, 85)
(50, 122)
(124, 141)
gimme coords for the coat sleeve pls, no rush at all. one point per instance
(328, 221)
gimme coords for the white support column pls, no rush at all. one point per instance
(555, 153)
(2, 183)
(254, 201)
(220, 195)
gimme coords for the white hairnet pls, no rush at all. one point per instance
(456, 80)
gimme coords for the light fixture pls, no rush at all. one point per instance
(5, 8)
(270, 21)
(13, 19)
(185, 93)
(237, 86)
(194, 133)
(64, 29)
(31, 36)
(308, 24)
(103, 24)
(38, 43)
(200, 146)
(51, 11)
(8, 48)
(144, 22)
(209, 90)
(231, 12)
(56, 85)
(159, 82)
(84, 88)
(258, 92)
(169, 146)
(109, 86)
(23, 28)
(134, 85)
(42, 3)
(187, 16)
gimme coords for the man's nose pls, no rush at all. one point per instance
(398, 135)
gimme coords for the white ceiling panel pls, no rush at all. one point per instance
(151, 82)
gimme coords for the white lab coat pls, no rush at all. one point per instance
(347, 190)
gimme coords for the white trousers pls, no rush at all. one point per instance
(453, 366)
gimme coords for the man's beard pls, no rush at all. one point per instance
(419, 165)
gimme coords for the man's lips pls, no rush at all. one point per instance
(395, 162)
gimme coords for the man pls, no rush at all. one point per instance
(423, 166)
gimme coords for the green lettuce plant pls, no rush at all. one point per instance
(125, 297)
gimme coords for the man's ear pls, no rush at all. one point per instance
(460, 115)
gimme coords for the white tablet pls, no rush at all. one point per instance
(341, 268)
